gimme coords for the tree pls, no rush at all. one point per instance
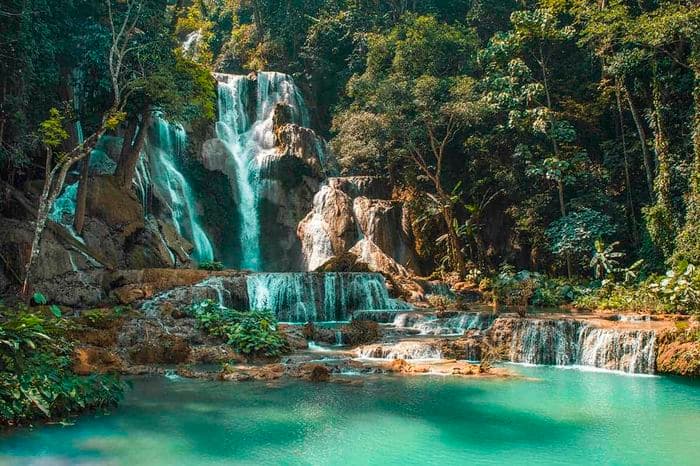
(123, 27)
(415, 83)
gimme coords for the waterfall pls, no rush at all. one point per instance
(413, 350)
(572, 342)
(455, 325)
(251, 144)
(304, 297)
(316, 242)
(165, 145)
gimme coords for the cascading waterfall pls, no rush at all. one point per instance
(455, 325)
(413, 350)
(304, 297)
(572, 342)
(316, 244)
(250, 145)
(165, 144)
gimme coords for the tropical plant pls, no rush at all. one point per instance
(249, 332)
(604, 261)
(36, 379)
(212, 265)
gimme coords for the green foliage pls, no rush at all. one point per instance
(249, 332)
(51, 130)
(210, 265)
(576, 233)
(36, 380)
(676, 291)
(604, 261)
(531, 288)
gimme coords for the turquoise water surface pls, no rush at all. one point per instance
(555, 416)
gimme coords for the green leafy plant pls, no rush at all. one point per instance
(249, 332)
(604, 261)
(36, 379)
(211, 265)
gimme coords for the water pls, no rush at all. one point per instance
(572, 342)
(454, 325)
(248, 137)
(166, 143)
(563, 417)
(304, 297)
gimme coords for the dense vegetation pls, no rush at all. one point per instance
(36, 379)
(557, 136)
(250, 332)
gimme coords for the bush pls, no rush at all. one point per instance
(358, 332)
(531, 288)
(676, 291)
(36, 379)
(211, 265)
(249, 332)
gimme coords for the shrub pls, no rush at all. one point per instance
(211, 265)
(249, 332)
(358, 332)
(36, 379)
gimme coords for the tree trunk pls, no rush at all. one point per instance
(648, 171)
(53, 185)
(662, 183)
(131, 150)
(455, 244)
(628, 181)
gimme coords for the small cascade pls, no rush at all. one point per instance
(630, 351)
(304, 297)
(454, 325)
(571, 342)
(165, 145)
(63, 208)
(249, 140)
(413, 350)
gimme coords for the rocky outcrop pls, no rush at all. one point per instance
(679, 351)
(372, 187)
(329, 229)
(345, 222)
(385, 223)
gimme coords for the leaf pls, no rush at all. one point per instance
(39, 298)
(56, 311)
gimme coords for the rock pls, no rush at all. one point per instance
(165, 349)
(377, 261)
(90, 360)
(65, 275)
(315, 373)
(384, 224)
(345, 262)
(135, 292)
(373, 187)
(214, 354)
(176, 243)
(678, 351)
(302, 143)
(118, 208)
(329, 229)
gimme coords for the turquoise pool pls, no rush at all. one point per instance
(552, 416)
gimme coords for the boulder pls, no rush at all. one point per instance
(118, 208)
(91, 360)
